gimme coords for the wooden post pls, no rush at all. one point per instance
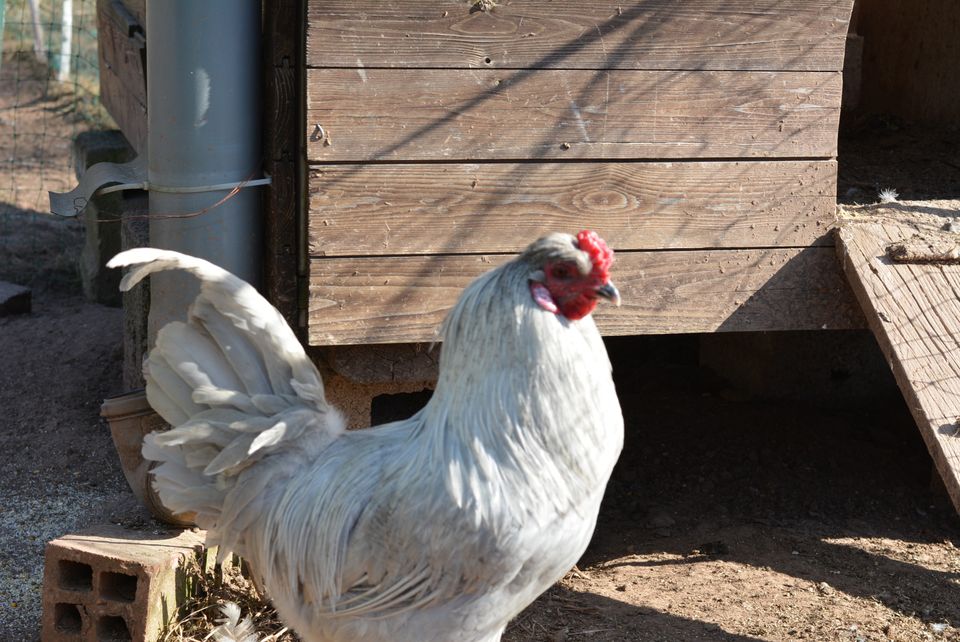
(282, 116)
(3, 12)
(66, 41)
(38, 49)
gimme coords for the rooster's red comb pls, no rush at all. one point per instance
(600, 254)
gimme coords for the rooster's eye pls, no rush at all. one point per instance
(560, 271)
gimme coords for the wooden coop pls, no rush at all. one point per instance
(414, 144)
(699, 138)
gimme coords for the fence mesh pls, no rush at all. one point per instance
(49, 93)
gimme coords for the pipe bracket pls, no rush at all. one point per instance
(106, 178)
(112, 176)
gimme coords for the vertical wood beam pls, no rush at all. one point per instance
(283, 100)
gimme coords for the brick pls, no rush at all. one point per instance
(14, 299)
(112, 583)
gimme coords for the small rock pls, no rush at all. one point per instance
(713, 548)
(14, 299)
(939, 627)
(825, 589)
(621, 587)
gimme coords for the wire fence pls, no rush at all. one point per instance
(49, 93)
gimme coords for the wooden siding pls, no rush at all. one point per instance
(395, 114)
(383, 209)
(911, 55)
(123, 72)
(372, 300)
(699, 138)
(775, 35)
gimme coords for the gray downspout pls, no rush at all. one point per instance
(203, 110)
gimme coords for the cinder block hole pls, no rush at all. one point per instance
(75, 576)
(396, 406)
(112, 628)
(66, 618)
(118, 587)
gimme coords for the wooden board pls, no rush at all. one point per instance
(404, 299)
(914, 312)
(283, 77)
(402, 114)
(498, 207)
(596, 34)
(123, 79)
(910, 60)
(137, 9)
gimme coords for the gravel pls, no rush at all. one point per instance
(60, 472)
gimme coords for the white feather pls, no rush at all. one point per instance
(232, 628)
(438, 528)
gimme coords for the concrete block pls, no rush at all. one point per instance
(102, 215)
(111, 583)
(356, 400)
(397, 377)
(14, 299)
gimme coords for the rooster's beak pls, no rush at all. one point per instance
(609, 292)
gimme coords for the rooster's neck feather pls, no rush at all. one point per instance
(524, 400)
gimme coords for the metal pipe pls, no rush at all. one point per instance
(203, 122)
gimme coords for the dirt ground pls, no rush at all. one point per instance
(734, 520)
(58, 469)
(730, 517)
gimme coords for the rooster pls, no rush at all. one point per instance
(439, 528)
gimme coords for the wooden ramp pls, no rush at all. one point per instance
(903, 262)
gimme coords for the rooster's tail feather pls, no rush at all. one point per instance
(236, 385)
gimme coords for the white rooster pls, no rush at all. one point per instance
(439, 528)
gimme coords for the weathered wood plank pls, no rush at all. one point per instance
(283, 77)
(282, 131)
(137, 9)
(914, 312)
(496, 207)
(283, 33)
(123, 80)
(281, 238)
(911, 59)
(400, 114)
(599, 34)
(404, 299)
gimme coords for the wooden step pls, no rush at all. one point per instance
(912, 303)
